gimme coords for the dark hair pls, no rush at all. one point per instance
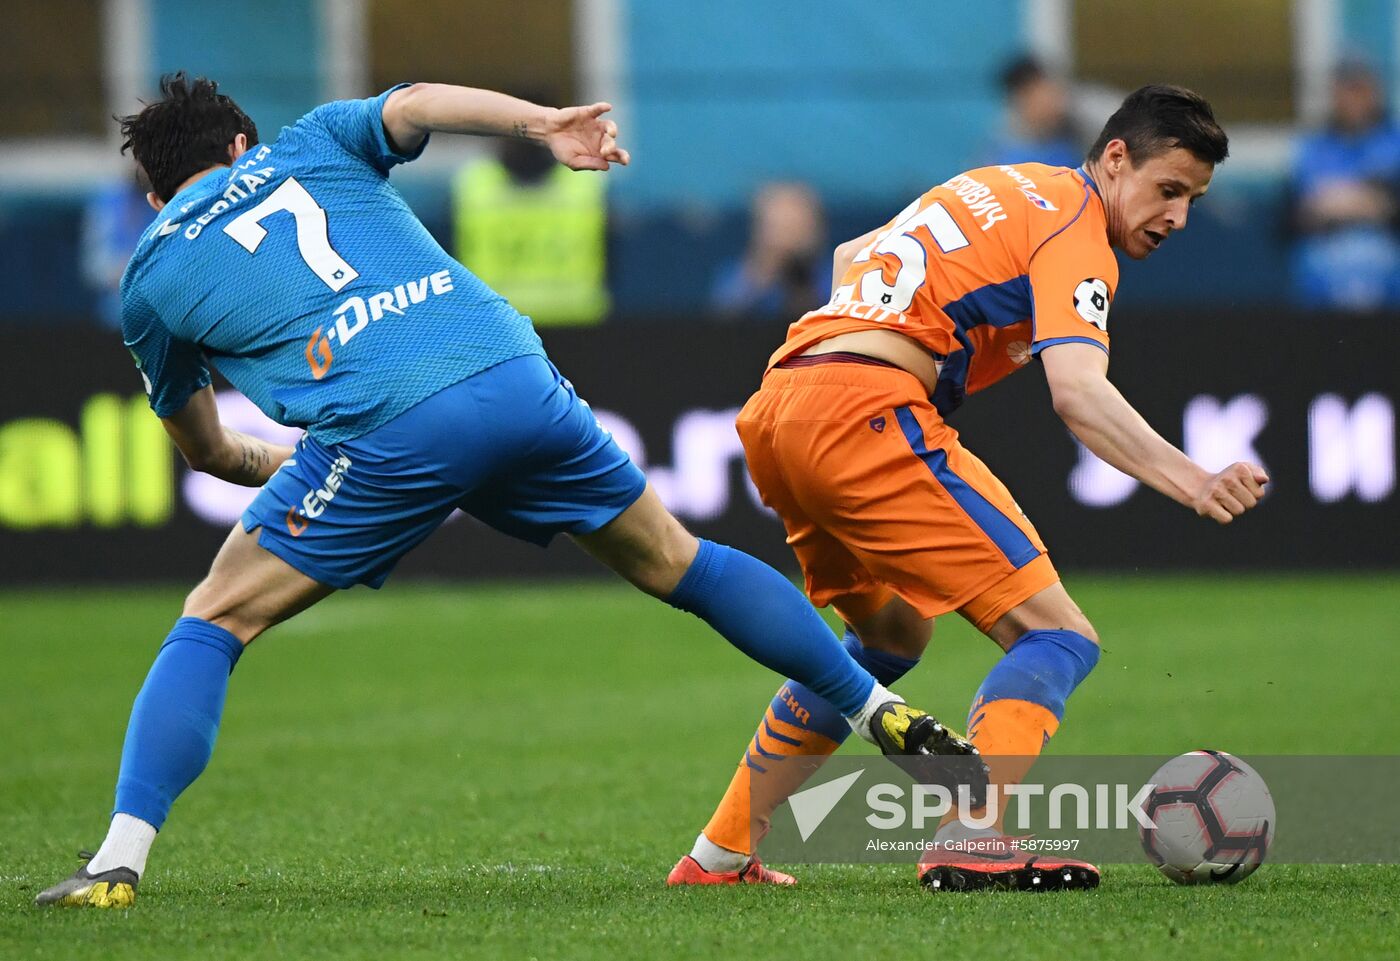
(187, 130)
(1160, 117)
(1021, 72)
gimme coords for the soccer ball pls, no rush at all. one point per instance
(1214, 819)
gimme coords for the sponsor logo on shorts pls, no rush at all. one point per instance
(877, 424)
(296, 525)
(314, 503)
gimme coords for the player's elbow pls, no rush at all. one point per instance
(1077, 391)
(845, 254)
(1064, 401)
(204, 460)
(410, 98)
(1071, 400)
(197, 461)
(406, 110)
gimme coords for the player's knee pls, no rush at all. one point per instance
(1087, 629)
(672, 560)
(903, 642)
(211, 602)
(896, 629)
(658, 564)
(646, 545)
(1074, 620)
(1052, 610)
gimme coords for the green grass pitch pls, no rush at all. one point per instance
(506, 771)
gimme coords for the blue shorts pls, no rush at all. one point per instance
(513, 446)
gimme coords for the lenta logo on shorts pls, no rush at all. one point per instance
(362, 310)
(314, 503)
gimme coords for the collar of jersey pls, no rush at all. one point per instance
(201, 182)
(1088, 180)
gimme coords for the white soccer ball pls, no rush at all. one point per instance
(1214, 819)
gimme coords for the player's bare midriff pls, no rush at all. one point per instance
(886, 345)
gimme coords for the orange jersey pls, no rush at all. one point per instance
(984, 271)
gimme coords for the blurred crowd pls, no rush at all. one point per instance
(1345, 185)
(539, 234)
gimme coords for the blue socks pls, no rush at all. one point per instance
(762, 614)
(1042, 667)
(175, 718)
(798, 706)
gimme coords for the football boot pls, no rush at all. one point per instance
(689, 871)
(106, 889)
(999, 862)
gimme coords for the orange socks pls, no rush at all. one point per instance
(1011, 727)
(1010, 734)
(781, 757)
(1019, 706)
(799, 731)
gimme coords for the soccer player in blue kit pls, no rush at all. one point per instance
(297, 270)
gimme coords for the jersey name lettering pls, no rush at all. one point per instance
(243, 183)
(980, 200)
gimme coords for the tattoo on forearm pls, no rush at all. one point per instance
(254, 458)
(520, 129)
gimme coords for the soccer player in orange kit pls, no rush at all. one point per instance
(894, 522)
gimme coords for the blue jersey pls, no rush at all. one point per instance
(302, 275)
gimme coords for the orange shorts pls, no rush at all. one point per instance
(879, 498)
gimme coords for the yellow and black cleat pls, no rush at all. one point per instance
(107, 889)
(944, 756)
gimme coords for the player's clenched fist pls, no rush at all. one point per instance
(1231, 492)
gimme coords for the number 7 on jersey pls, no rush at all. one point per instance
(313, 235)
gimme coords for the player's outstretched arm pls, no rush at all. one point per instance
(1096, 413)
(578, 137)
(212, 448)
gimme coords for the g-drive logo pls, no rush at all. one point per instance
(356, 313)
(893, 807)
